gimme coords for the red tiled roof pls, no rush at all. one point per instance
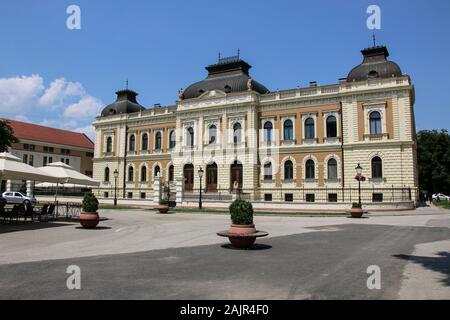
(34, 132)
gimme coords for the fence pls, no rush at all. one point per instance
(309, 195)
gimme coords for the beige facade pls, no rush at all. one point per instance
(321, 155)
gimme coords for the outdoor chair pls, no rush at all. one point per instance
(42, 212)
(13, 214)
(28, 212)
(51, 210)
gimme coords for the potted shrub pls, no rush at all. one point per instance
(242, 226)
(163, 206)
(356, 210)
(89, 218)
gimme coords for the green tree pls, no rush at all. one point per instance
(433, 157)
(6, 136)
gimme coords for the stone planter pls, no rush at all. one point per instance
(242, 236)
(163, 208)
(356, 212)
(89, 220)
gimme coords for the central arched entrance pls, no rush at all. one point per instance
(211, 177)
(188, 173)
(236, 175)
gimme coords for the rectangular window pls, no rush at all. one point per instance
(88, 173)
(106, 195)
(267, 197)
(310, 197)
(25, 158)
(31, 160)
(45, 161)
(289, 197)
(130, 195)
(89, 154)
(26, 146)
(45, 149)
(142, 195)
(50, 159)
(377, 197)
(67, 161)
(332, 197)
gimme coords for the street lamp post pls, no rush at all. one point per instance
(116, 175)
(200, 175)
(359, 170)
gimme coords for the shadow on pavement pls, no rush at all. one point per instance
(439, 264)
(29, 226)
(255, 247)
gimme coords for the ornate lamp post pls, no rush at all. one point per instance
(360, 178)
(116, 175)
(200, 175)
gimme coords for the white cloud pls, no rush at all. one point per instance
(19, 93)
(87, 108)
(59, 92)
(88, 130)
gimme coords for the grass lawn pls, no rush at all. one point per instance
(257, 213)
(112, 207)
(442, 204)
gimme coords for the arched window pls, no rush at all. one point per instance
(310, 170)
(373, 74)
(332, 170)
(130, 174)
(157, 171)
(109, 144)
(237, 128)
(172, 139)
(132, 145)
(268, 128)
(158, 140)
(143, 174)
(331, 127)
(268, 171)
(288, 130)
(288, 170)
(309, 129)
(106, 174)
(171, 173)
(377, 168)
(145, 142)
(375, 123)
(212, 134)
(190, 137)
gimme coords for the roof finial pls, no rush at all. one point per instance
(126, 84)
(219, 57)
(239, 53)
(374, 40)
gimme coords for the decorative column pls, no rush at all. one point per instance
(180, 190)
(9, 186)
(30, 188)
(156, 190)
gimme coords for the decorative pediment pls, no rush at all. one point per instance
(213, 94)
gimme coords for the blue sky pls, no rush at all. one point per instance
(60, 77)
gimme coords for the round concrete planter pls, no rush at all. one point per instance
(241, 237)
(163, 208)
(356, 212)
(89, 220)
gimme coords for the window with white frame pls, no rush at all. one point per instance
(268, 131)
(310, 129)
(288, 130)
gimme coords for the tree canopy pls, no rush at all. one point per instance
(6, 136)
(433, 157)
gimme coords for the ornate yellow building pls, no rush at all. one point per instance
(294, 148)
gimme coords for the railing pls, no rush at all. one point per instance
(307, 195)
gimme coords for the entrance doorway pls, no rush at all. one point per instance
(211, 177)
(188, 173)
(236, 175)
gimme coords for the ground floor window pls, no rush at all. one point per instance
(377, 197)
(332, 197)
(130, 195)
(268, 197)
(142, 195)
(289, 197)
(311, 197)
(106, 195)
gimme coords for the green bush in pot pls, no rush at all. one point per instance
(241, 212)
(90, 203)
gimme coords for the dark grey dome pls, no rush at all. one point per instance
(375, 65)
(126, 103)
(229, 75)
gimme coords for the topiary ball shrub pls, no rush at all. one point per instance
(241, 212)
(163, 202)
(90, 203)
(356, 205)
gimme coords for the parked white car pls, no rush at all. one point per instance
(17, 198)
(440, 197)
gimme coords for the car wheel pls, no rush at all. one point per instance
(26, 203)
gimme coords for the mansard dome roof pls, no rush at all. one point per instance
(228, 75)
(375, 65)
(126, 103)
